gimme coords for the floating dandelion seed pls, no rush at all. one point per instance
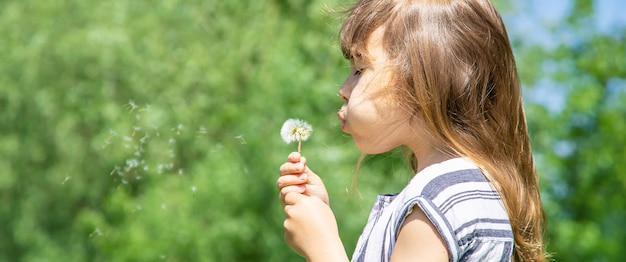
(241, 139)
(296, 130)
(131, 106)
(96, 232)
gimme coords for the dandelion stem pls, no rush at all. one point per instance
(299, 145)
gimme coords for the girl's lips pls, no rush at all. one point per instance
(343, 121)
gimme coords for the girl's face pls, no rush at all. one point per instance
(370, 113)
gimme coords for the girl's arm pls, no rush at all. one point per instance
(419, 240)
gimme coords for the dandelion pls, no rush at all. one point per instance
(296, 130)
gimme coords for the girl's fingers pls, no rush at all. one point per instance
(292, 198)
(293, 177)
(290, 168)
(290, 189)
(294, 157)
(289, 180)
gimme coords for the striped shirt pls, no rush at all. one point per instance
(459, 201)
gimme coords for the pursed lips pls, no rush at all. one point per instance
(341, 117)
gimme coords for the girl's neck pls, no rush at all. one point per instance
(428, 155)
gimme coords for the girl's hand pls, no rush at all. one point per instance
(310, 226)
(311, 229)
(295, 176)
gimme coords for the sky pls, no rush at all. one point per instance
(533, 19)
(538, 22)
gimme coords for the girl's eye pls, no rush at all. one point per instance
(358, 72)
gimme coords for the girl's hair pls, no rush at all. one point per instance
(454, 67)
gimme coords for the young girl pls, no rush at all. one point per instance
(439, 78)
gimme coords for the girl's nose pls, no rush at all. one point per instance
(342, 95)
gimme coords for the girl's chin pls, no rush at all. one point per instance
(365, 147)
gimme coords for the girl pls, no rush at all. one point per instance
(439, 78)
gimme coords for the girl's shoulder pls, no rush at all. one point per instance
(464, 207)
(447, 180)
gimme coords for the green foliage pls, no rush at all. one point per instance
(143, 131)
(146, 131)
(580, 145)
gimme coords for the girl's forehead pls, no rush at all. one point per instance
(354, 47)
(359, 58)
(365, 51)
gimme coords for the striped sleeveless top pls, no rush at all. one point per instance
(457, 198)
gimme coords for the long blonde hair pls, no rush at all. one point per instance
(455, 68)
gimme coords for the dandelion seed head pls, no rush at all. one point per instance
(294, 130)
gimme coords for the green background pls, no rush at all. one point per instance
(149, 130)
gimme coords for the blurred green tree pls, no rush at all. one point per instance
(577, 126)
